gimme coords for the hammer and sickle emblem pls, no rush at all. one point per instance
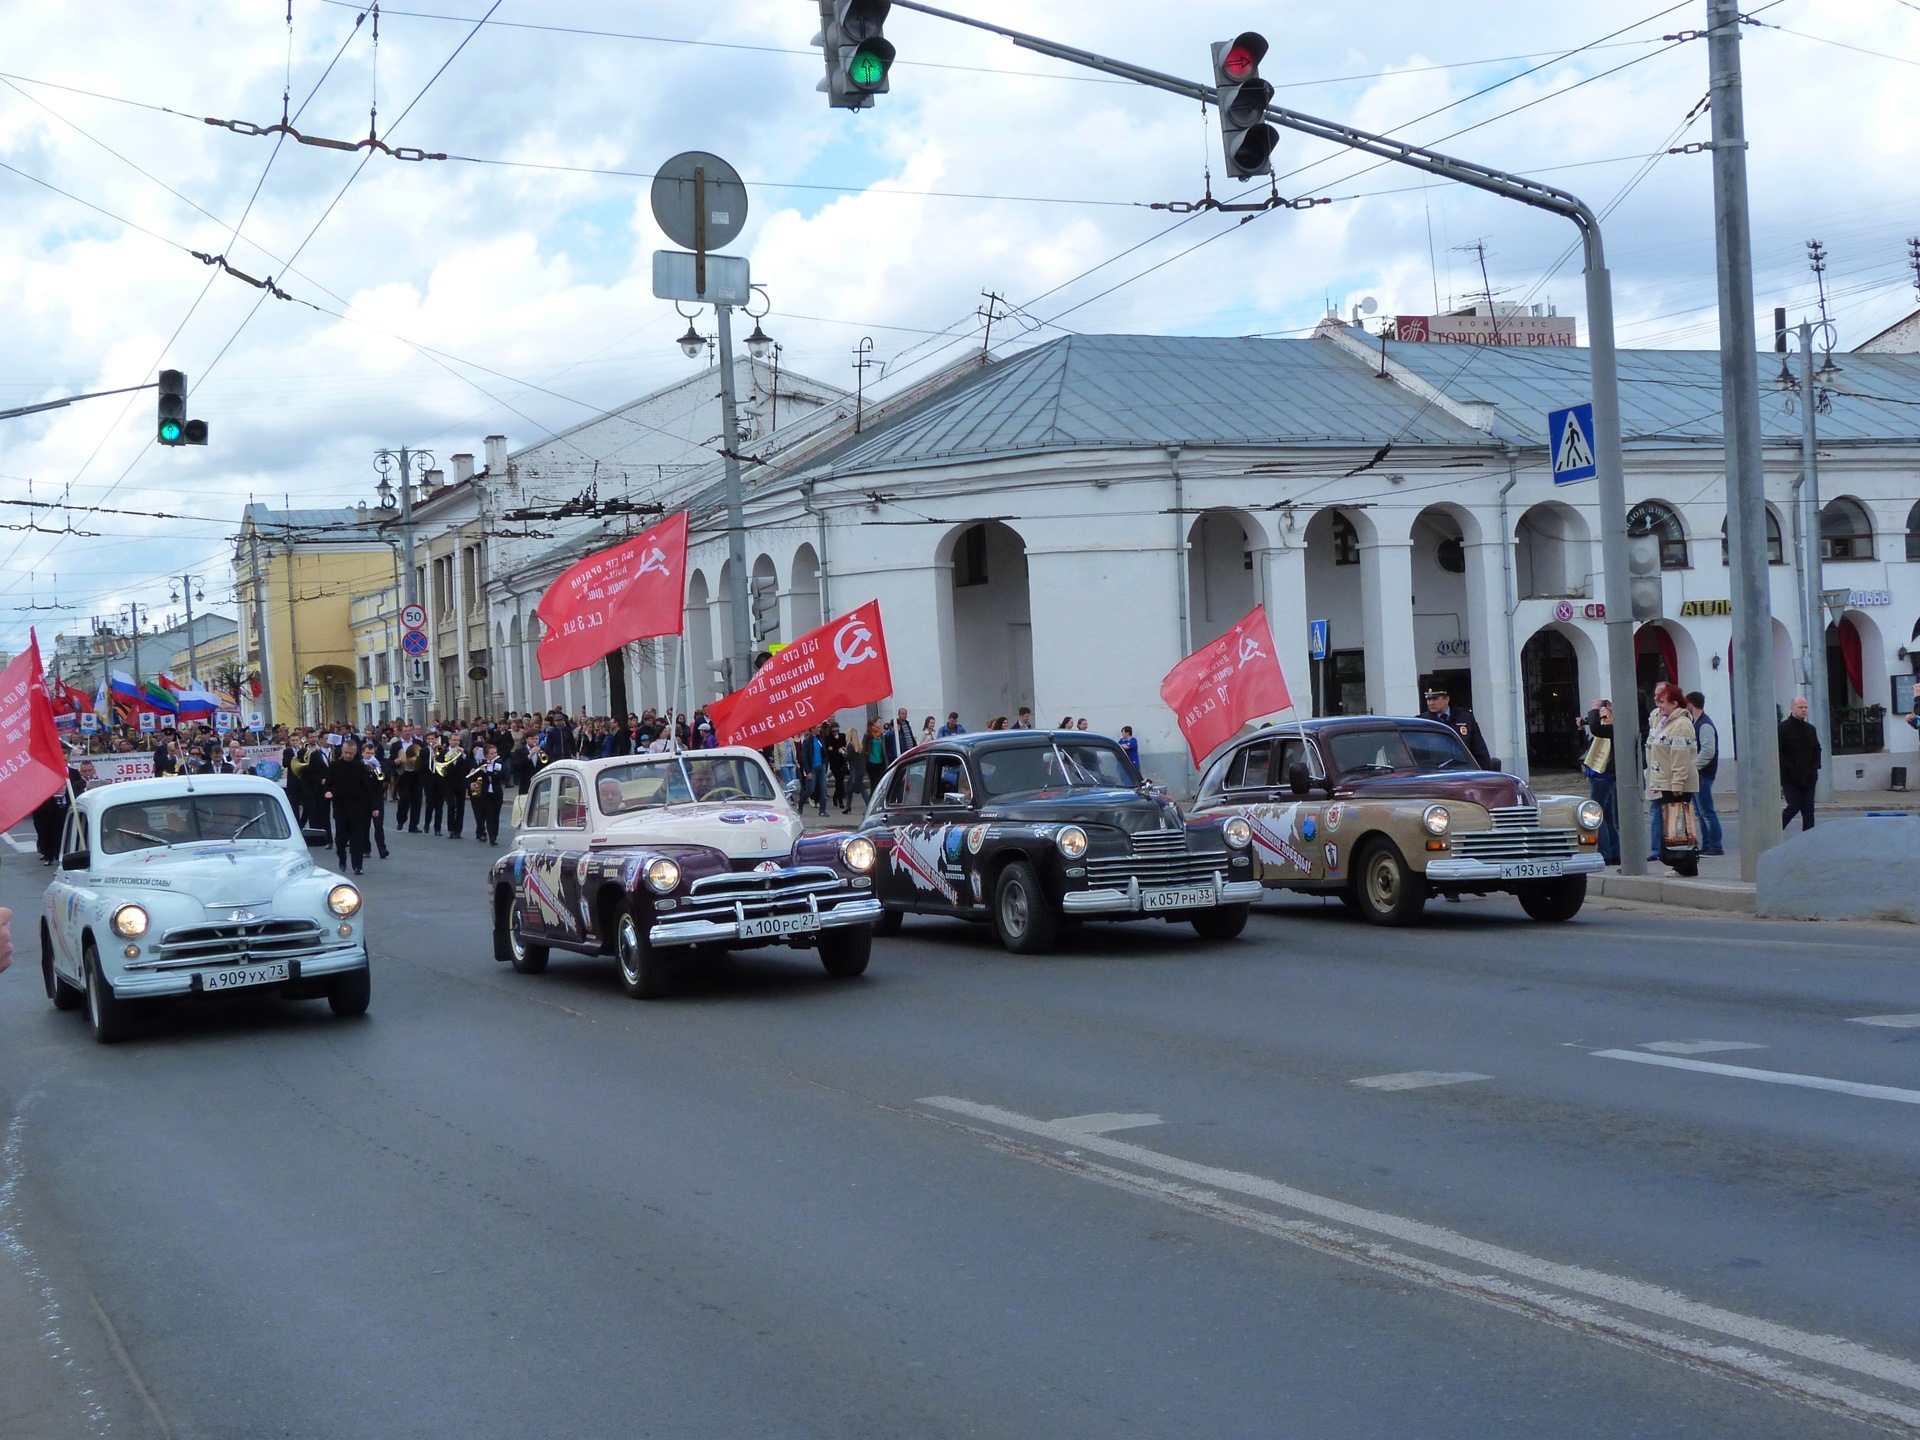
(853, 643)
(654, 562)
(1249, 650)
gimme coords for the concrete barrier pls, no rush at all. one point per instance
(1865, 868)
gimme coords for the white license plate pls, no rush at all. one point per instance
(242, 975)
(1184, 899)
(1533, 870)
(771, 927)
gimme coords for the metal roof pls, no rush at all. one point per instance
(339, 520)
(1668, 396)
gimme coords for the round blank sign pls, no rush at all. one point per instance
(673, 199)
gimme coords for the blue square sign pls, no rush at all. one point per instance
(1317, 639)
(1570, 438)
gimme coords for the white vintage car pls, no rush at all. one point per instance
(195, 885)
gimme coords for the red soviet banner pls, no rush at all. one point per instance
(627, 592)
(32, 764)
(838, 666)
(1217, 689)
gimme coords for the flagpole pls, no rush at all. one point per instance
(679, 676)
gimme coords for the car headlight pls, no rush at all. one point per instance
(1238, 832)
(1591, 814)
(1072, 841)
(129, 921)
(1437, 819)
(343, 900)
(858, 853)
(662, 876)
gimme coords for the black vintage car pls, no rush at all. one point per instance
(1028, 829)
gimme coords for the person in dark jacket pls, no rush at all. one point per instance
(1799, 764)
(1460, 720)
(489, 784)
(1602, 782)
(1706, 736)
(370, 757)
(352, 792)
(453, 787)
(50, 816)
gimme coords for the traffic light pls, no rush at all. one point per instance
(856, 51)
(1243, 98)
(1644, 583)
(175, 428)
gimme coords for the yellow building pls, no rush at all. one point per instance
(210, 657)
(295, 575)
(380, 668)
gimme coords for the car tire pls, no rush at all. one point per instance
(63, 995)
(514, 948)
(1385, 889)
(1022, 918)
(110, 1018)
(645, 973)
(1222, 922)
(844, 952)
(351, 993)
(1555, 901)
(889, 922)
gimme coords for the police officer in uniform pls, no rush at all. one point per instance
(1460, 720)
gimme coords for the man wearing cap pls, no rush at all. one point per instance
(1440, 707)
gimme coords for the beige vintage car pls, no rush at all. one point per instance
(1384, 812)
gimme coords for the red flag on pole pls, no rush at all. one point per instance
(838, 666)
(627, 592)
(32, 764)
(1218, 688)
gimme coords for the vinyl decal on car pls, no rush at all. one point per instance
(976, 840)
(1270, 825)
(1333, 856)
(1309, 827)
(1335, 814)
(916, 854)
(956, 837)
(543, 876)
(745, 817)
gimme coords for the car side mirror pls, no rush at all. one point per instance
(1299, 778)
(1493, 763)
(316, 837)
(76, 860)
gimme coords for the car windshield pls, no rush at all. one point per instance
(185, 819)
(1382, 752)
(679, 780)
(1051, 765)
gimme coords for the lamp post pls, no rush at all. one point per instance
(136, 615)
(190, 589)
(1815, 599)
(387, 461)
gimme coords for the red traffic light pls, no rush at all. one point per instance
(1243, 56)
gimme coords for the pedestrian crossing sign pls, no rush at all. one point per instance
(1570, 434)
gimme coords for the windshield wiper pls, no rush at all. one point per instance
(1370, 769)
(143, 835)
(250, 820)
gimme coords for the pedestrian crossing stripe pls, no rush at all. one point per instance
(1573, 452)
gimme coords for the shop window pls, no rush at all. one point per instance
(1846, 530)
(1776, 552)
(1656, 517)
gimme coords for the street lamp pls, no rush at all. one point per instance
(693, 342)
(385, 491)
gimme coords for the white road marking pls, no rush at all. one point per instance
(20, 847)
(1892, 1022)
(1575, 1281)
(1771, 1077)
(1105, 1122)
(1698, 1047)
(1419, 1079)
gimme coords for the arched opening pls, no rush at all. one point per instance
(517, 674)
(1913, 532)
(1855, 663)
(1656, 517)
(1441, 620)
(1662, 650)
(992, 670)
(1220, 575)
(1550, 670)
(803, 588)
(699, 643)
(1846, 530)
(327, 695)
(763, 590)
(1337, 654)
(1552, 549)
(1776, 551)
(711, 682)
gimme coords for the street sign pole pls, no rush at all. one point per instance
(737, 601)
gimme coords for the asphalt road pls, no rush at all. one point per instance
(781, 1205)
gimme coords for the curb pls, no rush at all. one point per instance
(1732, 896)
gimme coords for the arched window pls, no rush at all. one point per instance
(1913, 533)
(1846, 530)
(1656, 517)
(1776, 552)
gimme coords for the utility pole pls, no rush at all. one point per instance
(1610, 481)
(1753, 701)
(193, 657)
(737, 601)
(260, 627)
(385, 460)
(1813, 578)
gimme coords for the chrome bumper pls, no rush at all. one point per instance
(154, 984)
(1489, 870)
(1109, 901)
(860, 910)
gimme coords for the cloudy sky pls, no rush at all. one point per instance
(509, 290)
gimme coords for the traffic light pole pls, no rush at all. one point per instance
(1611, 480)
(737, 589)
(410, 581)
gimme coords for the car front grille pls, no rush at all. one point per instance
(1159, 857)
(1515, 817)
(234, 944)
(759, 892)
(1515, 844)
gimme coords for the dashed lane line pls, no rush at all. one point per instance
(1770, 1077)
(1106, 1122)
(1419, 1079)
(1698, 1047)
(1892, 1022)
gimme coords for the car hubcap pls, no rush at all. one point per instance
(1016, 909)
(514, 943)
(628, 949)
(1383, 882)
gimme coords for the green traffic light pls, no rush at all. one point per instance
(868, 69)
(170, 431)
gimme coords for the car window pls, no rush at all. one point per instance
(1252, 767)
(1439, 750)
(75, 836)
(540, 807)
(185, 819)
(675, 780)
(569, 805)
(1381, 752)
(1050, 765)
(909, 785)
(950, 778)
